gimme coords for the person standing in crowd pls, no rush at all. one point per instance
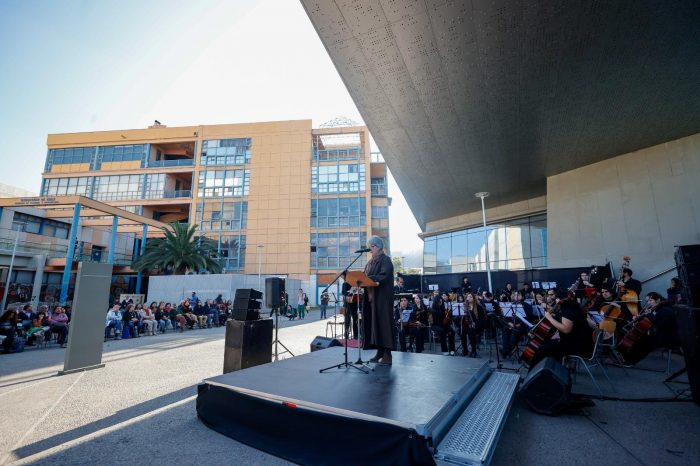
(442, 323)
(58, 323)
(301, 303)
(378, 303)
(466, 286)
(113, 321)
(325, 298)
(8, 327)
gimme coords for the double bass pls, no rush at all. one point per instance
(627, 296)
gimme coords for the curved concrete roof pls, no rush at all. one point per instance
(467, 96)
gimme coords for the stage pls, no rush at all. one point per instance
(395, 414)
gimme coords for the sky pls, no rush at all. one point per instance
(74, 65)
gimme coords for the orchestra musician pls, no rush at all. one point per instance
(575, 335)
(662, 315)
(516, 328)
(403, 315)
(352, 300)
(493, 312)
(474, 321)
(442, 323)
(630, 283)
(458, 315)
(420, 320)
(466, 286)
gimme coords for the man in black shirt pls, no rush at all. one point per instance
(466, 286)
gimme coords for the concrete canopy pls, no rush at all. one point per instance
(468, 96)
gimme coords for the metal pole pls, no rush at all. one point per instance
(9, 273)
(260, 246)
(482, 195)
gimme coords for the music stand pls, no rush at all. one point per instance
(360, 280)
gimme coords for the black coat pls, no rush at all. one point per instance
(378, 314)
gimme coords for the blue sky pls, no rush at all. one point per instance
(74, 65)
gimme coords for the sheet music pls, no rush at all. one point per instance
(523, 320)
(457, 309)
(406, 314)
(488, 307)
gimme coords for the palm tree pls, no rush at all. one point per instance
(179, 252)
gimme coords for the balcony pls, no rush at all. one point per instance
(186, 193)
(171, 163)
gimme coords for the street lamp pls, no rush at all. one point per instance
(482, 195)
(260, 247)
(9, 272)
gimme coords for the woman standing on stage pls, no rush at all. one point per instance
(378, 303)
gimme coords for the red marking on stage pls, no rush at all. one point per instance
(289, 405)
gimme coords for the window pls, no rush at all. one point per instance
(333, 250)
(226, 151)
(223, 216)
(26, 223)
(340, 178)
(118, 187)
(232, 252)
(69, 155)
(330, 147)
(224, 183)
(379, 187)
(56, 229)
(380, 212)
(338, 212)
(155, 186)
(513, 245)
(122, 153)
(78, 186)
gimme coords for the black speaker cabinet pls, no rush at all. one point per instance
(244, 304)
(248, 293)
(547, 387)
(320, 343)
(248, 344)
(245, 314)
(274, 289)
(688, 322)
(689, 254)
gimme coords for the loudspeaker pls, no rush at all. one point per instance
(689, 254)
(245, 304)
(688, 323)
(247, 344)
(274, 289)
(320, 343)
(547, 387)
(248, 293)
(245, 314)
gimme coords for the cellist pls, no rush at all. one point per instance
(575, 335)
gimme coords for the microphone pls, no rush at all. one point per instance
(362, 250)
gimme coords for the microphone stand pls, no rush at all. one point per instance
(345, 363)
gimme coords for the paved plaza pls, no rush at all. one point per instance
(141, 407)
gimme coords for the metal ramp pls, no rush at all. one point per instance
(473, 437)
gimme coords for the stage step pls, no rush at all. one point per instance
(472, 439)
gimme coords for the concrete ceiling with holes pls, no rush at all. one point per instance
(467, 96)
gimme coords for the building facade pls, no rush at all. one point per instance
(279, 198)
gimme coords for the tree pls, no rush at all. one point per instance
(179, 252)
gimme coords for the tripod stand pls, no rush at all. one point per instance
(277, 341)
(346, 363)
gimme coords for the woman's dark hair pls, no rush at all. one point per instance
(655, 296)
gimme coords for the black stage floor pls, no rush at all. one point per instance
(415, 399)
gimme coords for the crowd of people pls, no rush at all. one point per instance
(124, 319)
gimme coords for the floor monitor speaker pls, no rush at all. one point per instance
(320, 343)
(547, 388)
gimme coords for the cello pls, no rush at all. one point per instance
(539, 334)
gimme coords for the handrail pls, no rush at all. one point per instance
(658, 274)
(171, 163)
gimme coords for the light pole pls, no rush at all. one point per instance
(260, 247)
(482, 195)
(9, 272)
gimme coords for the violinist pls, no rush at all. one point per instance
(442, 323)
(515, 329)
(493, 312)
(474, 321)
(403, 311)
(417, 327)
(457, 318)
(575, 335)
